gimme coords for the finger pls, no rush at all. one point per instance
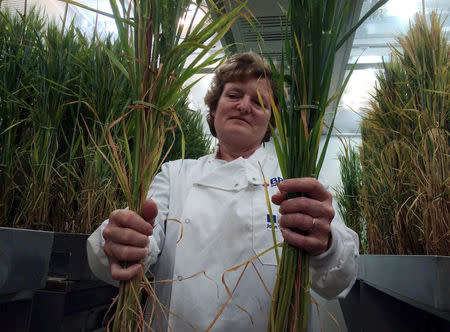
(311, 244)
(149, 211)
(124, 253)
(118, 272)
(309, 186)
(278, 198)
(307, 206)
(299, 221)
(130, 219)
(125, 236)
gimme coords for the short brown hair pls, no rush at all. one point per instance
(238, 67)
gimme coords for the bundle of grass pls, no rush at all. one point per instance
(348, 193)
(317, 31)
(155, 49)
(405, 156)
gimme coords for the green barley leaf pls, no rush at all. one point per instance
(116, 62)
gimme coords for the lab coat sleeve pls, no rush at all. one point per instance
(159, 192)
(334, 272)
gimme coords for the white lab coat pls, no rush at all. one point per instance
(222, 209)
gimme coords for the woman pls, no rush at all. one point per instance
(206, 216)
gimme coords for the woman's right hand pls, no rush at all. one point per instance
(126, 239)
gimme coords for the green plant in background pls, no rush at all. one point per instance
(199, 144)
(348, 193)
(89, 188)
(64, 184)
(316, 33)
(405, 151)
(42, 159)
(51, 91)
(19, 45)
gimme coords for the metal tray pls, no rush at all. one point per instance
(422, 281)
(24, 259)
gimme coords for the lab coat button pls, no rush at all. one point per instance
(187, 220)
(179, 278)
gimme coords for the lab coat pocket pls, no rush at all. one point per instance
(262, 229)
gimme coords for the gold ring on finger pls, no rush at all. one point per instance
(314, 220)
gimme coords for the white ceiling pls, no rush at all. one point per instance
(371, 39)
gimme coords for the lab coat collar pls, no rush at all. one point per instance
(259, 155)
(234, 175)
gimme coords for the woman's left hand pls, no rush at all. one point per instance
(305, 221)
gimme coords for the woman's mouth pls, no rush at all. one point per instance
(239, 118)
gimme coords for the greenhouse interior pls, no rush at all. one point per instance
(125, 123)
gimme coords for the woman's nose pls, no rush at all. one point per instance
(245, 104)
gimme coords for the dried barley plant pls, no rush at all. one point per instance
(405, 151)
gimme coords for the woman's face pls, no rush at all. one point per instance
(239, 119)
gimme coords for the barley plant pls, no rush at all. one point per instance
(45, 152)
(68, 103)
(348, 193)
(317, 31)
(155, 47)
(18, 60)
(59, 89)
(405, 151)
